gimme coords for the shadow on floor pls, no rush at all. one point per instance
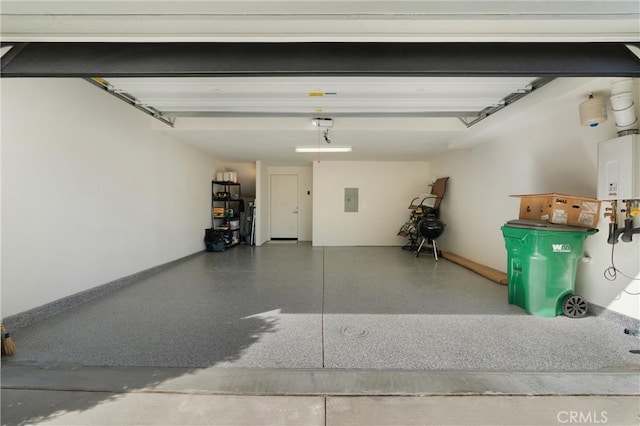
(20, 408)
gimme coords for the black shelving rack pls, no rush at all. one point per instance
(225, 211)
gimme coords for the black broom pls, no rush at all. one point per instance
(8, 348)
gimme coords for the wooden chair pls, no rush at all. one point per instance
(438, 189)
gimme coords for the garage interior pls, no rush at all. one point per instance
(111, 137)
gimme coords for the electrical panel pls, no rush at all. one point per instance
(619, 168)
(351, 200)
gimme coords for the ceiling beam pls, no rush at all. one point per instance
(318, 59)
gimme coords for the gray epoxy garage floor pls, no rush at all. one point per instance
(298, 306)
(294, 334)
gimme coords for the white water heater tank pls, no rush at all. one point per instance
(619, 168)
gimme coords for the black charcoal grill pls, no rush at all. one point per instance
(428, 230)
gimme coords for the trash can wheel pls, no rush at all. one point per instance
(574, 306)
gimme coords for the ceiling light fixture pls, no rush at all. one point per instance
(323, 149)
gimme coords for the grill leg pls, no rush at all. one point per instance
(435, 249)
(420, 246)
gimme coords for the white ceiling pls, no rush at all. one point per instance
(273, 139)
(246, 120)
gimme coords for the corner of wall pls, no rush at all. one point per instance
(262, 203)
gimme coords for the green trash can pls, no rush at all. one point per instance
(542, 264)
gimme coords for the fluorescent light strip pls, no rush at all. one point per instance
(323, 149)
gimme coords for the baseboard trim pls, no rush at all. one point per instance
(31, 316)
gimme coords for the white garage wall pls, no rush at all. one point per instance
(385, 191)
(90, 193)
(262, 203)
(538, 149)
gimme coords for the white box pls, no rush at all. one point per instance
(619, 168)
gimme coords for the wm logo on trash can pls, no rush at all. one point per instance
(561, 248)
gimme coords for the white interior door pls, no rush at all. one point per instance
(284, 206)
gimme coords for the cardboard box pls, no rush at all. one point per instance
(218, 212)
(560, 209)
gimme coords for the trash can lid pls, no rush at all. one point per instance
(545, 226)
